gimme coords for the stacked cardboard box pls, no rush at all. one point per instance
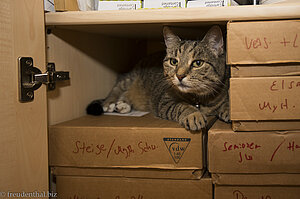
(264, 58)
(263, 160)
(254, 164)
(127, 157)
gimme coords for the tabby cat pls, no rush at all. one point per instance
(191, 85)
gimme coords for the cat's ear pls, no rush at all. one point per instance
(214, 39)
(171, 39)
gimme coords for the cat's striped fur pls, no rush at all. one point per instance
(191, 85)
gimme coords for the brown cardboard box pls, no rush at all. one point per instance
(266, 98)
(278, 125)
(66, 5)
(81, 187)
(126, 142)
(129, 172)
(251, 186)
(255, 100)
(265, 70)
(263, 42)
(261, 179)
(257, 192)
(251, 165)
(232, 152)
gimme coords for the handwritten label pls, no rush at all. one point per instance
(284, 104)
(266, 43)
(243, 156)
(248, 150)
(113, 149)
(291, 146)
(257, 43)
(132, 197)
(237, 194)
(273, 107)
(280, 85)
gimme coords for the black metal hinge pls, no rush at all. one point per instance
(31, 78)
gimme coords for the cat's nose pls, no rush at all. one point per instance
(180, 77)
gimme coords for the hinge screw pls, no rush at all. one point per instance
(30, 94)
(28, 62)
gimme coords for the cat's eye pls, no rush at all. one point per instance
(173, 62)
(197, 63)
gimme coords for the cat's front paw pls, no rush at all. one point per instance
(120, 107)
(224, 115)
(109, 107)
(194, 121)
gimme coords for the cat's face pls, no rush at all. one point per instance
(195, 66)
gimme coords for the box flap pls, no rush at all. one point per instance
(265, 125)
(128, 172)
(262, 179)
(264, 70)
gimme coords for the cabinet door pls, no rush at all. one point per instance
(23, 126)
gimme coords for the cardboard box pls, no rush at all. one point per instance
(131, 188)
(247, 92)
(265, 125)
(207, 3)
(183, 174)
(66, 5)
(119, 5)
(265, 98)
(252, 152)
(265, 70)
(253, 185)
(164, 4)
(257, 192)
(125, 142)
(262, 42)
(262, 179)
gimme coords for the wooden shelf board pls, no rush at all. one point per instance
(176, 15)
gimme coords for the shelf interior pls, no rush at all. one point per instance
(96, 46)
(148, 22)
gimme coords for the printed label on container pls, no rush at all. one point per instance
(119, 5)
(177, 147)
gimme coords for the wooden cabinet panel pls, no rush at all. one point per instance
(23, 126)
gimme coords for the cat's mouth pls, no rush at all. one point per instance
(183, 87)
(200, 89)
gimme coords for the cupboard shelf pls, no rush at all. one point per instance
(178, 15)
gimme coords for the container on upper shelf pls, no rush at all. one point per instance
(119, 5)
(164, 4)
(207, 3)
